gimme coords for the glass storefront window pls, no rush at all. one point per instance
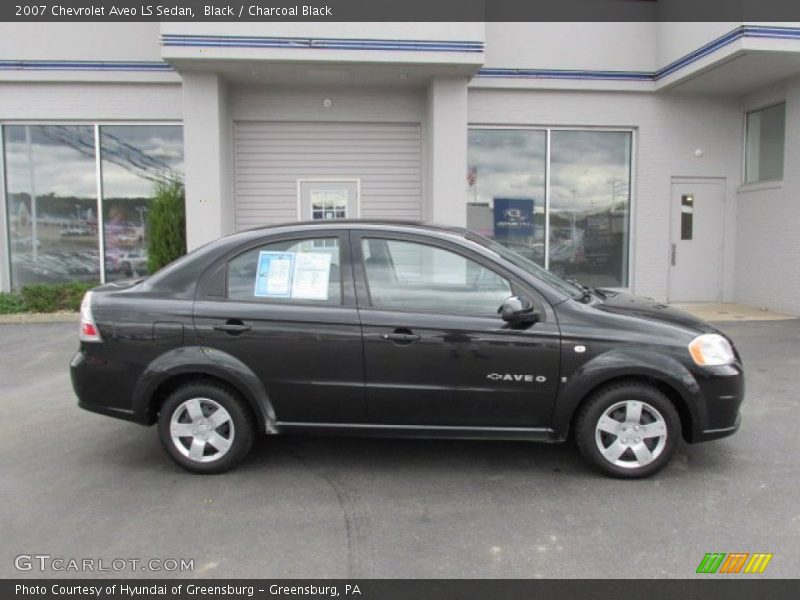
(590, 206)
(51, 203)
(506, 188)
(135, 158)
(589, 198)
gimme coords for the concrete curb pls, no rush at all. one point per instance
(27, 318)
(730, 311)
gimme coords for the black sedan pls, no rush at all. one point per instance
(397, 329)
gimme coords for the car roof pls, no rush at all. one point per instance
(369, 223)
(182, 273)
(180, 277)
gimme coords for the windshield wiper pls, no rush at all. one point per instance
(586, 291)
(582, 296)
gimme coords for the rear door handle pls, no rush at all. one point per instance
(400, 336)
(233, 327)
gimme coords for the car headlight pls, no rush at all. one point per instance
(711, 349)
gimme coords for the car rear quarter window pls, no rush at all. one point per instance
(306, 271)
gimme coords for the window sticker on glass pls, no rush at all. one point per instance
(311, 276)
(274, 274)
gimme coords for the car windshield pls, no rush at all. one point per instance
(566, 287)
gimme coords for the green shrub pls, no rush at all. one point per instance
(50, 297)
(11, 303)
(40, 297)
(166, 220)
(72, 294)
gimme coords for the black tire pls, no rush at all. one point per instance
(657, 413)
(238, 431)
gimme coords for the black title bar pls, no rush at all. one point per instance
(400, 10)
(702, 588)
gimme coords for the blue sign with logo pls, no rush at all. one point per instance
(513, 218)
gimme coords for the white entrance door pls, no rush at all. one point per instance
(697, 233)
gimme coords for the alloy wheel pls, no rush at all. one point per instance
(631, 434)
(202, 430)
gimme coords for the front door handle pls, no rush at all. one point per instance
(233, 327)
(672, 253)
(400, 336)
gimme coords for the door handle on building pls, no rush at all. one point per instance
(672, 254)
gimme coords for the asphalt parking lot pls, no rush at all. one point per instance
(78, 485)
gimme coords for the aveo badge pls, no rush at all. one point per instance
(520, 377)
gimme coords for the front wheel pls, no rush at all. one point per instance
(628, 430)
(205, 427)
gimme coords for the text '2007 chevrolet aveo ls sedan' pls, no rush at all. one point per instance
(399, 330)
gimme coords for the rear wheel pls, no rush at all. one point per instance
(628, 430)
(205, 427)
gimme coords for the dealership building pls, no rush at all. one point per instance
(659, 158)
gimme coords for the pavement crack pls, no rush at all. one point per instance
(359, 563)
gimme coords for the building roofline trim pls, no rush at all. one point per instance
(566, 74)
(83, 65)
(743, 31)
(232, 41)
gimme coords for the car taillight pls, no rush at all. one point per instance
(89, 331)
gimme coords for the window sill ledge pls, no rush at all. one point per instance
(762, 185)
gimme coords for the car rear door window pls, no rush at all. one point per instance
(417, 277)
(290, 271)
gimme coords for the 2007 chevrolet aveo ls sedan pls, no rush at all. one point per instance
(393, 329)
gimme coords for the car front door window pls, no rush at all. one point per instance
(416, 277)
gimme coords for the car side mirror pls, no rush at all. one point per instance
(518, 310)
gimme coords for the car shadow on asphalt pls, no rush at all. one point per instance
(140, 449)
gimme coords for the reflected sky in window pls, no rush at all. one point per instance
(51, 191)
(51, 203)
(590, 173)
(589, 206)
(134, 160)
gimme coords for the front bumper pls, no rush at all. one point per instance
(715, 434)
(722, 392)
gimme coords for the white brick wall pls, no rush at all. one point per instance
(41, 40)
(89, 101)
(669, 128)
(768, 225)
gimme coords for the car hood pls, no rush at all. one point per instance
(647, 308)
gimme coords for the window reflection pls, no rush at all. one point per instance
(764, 145)
(589, 206)
(52, 203)
(589, 198)
(506, 188)
(134, 159)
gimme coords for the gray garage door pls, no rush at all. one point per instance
(271, 157)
